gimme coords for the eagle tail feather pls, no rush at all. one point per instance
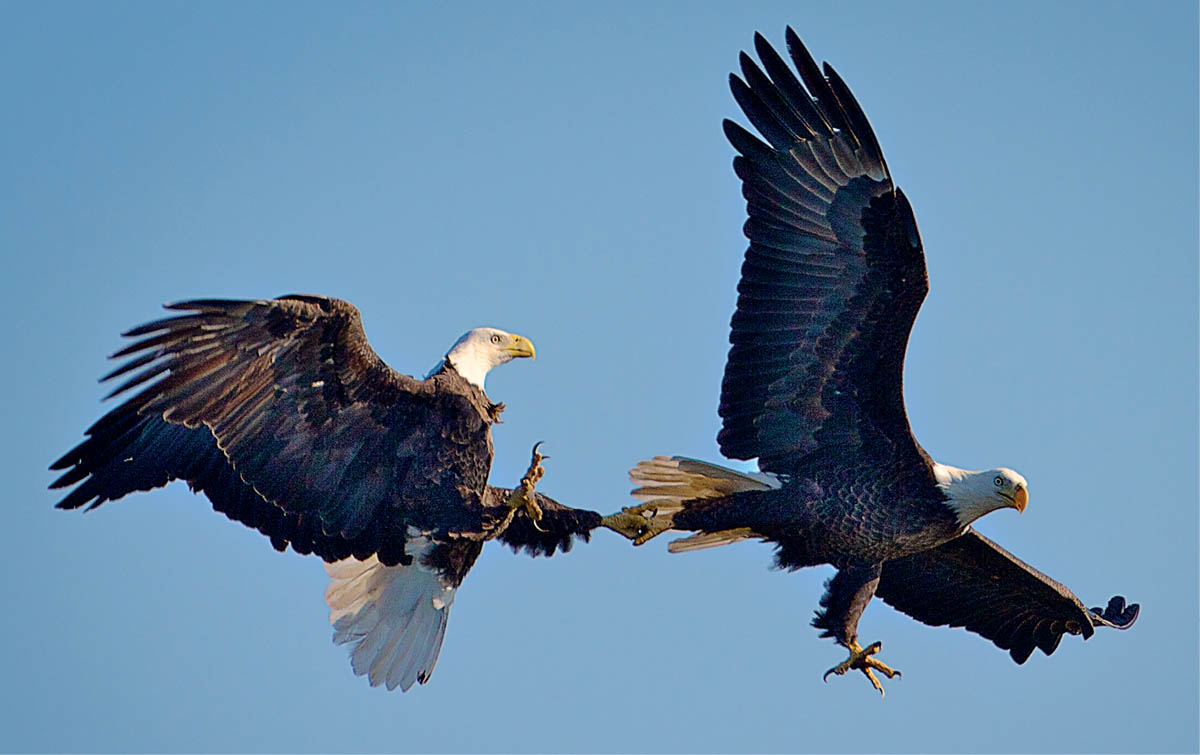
(671, 483)
(393, 617)
(702, 540)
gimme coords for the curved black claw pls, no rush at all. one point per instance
(537, 457)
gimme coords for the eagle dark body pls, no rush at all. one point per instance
(813, 389)
(282, 415)
(831, 516)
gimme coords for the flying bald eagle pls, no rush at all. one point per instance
(830, 287)
(282, 414)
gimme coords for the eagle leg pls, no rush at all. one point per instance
(861, 659)
(523, 496)
(846, 597)
(639, 523)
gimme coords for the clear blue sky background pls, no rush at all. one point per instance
(559, 171)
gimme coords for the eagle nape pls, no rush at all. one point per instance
(523, 496)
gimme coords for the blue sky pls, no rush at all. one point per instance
(559, 171)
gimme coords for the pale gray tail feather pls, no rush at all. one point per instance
(702, 540)
(670, 481)
(394, 618)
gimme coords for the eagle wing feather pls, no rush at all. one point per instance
(972, 582)
(832, 280)
(307, 414)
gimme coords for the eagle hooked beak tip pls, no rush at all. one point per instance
(1021, 499)
(522, 347)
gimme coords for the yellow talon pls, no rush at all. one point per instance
(524, 497)
(861, 659)
(639, 523)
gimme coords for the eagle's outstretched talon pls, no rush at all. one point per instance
(861, 659)
(654, 527)
(627, 525)
(639, 523)
(523, 497)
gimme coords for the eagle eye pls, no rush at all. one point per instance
(999, 481)
(495, 338)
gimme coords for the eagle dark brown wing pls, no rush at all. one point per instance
(313, 422)
(972, 582)
(153, 452)
(833, 277)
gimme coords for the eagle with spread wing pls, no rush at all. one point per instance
(281, 413)
(829, 290)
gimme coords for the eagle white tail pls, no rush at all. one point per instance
(668, 481)
(394, 618)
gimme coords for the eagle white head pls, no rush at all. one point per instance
(973, 494)
(481, 349)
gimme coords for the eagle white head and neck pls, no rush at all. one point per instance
(973, 494)
(481, 349)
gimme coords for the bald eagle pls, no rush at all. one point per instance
(281, 413)
(830, 287)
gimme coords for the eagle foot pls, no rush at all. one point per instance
(861, 659)
(639, 523)
(523, 497)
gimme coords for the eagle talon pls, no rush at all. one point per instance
(861, 659)
(625, 524)
(653, 528)
(638, 523)
(523, 497)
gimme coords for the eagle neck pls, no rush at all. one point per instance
(967, 494)
(472, 361)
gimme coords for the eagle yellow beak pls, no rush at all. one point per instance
(521, 347)
(1021, 499)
